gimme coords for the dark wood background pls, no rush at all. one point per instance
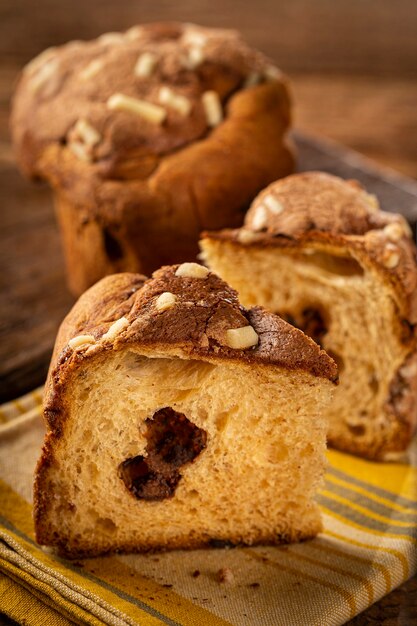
(353, 65)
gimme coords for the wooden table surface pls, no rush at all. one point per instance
(353, 69)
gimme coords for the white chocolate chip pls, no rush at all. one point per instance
(80, 150)
(117, 327)
(81, 341)
(110, 39)
(254, 78)
(212, 108)
(241, 338)
(260, 218)
(92, 69)
(87, 133)
(145, 65)
(272, 73)
(39, 60)
(391, 256)
(191, 270)
(174, 100)
(150, 112)
(165, 301)
(273, 204)
(44, 74)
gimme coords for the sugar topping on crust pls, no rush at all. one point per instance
(151, 89)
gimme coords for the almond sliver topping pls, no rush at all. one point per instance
(165, 301)
(273, 204)
(90, 70)
(212, 108)
(80, 150)
(260, 218)
(192, 270)
(145, 65)
(89, 135)
(176, 101)
(117, 327)
(241, 338)
(148, 111)
(81, 341)
(44, 74)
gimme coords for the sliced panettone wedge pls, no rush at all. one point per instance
(177, 418)
(318, 250)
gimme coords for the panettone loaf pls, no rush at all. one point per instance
(147, 137)
(177, 418)
(320, 252)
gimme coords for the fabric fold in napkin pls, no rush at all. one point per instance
(368, 547)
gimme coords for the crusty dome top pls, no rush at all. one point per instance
(315, 209)
(184, 310)
(149, 90)
(316, 201)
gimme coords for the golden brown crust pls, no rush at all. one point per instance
(75, 81)
(319, 209)
(137, 196)
(186, 543)
(204, 310)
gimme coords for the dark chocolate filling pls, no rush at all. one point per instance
(173, 441)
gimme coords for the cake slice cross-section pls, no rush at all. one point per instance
(179, 419)
(319, 251)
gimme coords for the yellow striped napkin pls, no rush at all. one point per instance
(368, 547)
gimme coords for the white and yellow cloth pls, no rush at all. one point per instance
(368, 547)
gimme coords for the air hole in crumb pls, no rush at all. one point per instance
(173, 441)
(311, 320)
(112, 246)
(106, 524)
(341, 266)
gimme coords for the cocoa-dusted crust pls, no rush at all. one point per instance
(45, 111)
(150, 189)
(193, 328)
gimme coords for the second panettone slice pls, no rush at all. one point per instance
(177, 418)
(318, 250)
